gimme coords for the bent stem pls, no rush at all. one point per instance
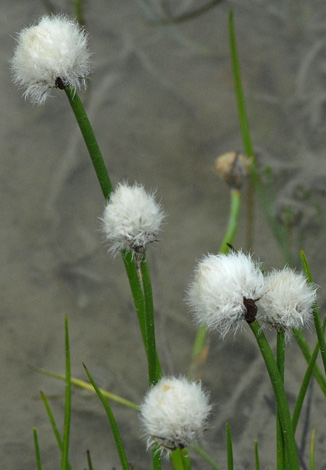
(106, 187)
(280, 397)
(200, 349)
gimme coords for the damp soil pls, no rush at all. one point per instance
(161, 101)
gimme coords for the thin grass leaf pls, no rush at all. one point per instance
(305, 383)
(37, 450)
(229, 447)
(66, 433)
(52, 421)
(206, 456)
(312, 451)
(319, 330)
(257, 466)
(114, 427)
(309, 357)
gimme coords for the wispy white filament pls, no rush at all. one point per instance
(132, 219)
(55, 49)
(288, 301)
(220, 284)
(174, 413)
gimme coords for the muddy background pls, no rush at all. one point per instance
(162, 104)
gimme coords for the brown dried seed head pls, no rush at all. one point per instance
(233, 168)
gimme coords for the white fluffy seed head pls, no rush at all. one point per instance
(55, 48)
(174, 413)
(288, 301)
(216, 295)
(132, 219)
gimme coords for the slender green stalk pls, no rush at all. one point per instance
(305, 383)
(206, 456)
(85, 385)
(312, 451)
(257, 466)
(199, 352)
(229, 447)
(89, 461)
(90, 141)
(306, 353)
(156, 460)
(280, 359)
(233, 221)
(319, 330)
(244, 124)
(154, 373)
(180, 459)
(114, 427)
(66, 433)
(37, 450)
(280, 397)
(137, 292)
(106, 186)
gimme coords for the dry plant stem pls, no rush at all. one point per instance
(280, 397)
(87, 386)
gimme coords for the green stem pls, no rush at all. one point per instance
(280, 359)
(229, 447)
(199, 353)
(154, 369)
(232, 227)
(90, 141)
(244, 124)
(180, 459)
(66, 433)
(280, 397)
(257, 466)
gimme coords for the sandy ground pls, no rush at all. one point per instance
(162, 104)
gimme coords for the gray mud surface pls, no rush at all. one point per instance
(161, 101)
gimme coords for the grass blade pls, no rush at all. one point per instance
(37, 450)
(113, 423)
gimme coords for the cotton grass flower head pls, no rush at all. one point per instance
(51, 54)
(132, 219)
(174, 413)
(224, 291)
(288, 301)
